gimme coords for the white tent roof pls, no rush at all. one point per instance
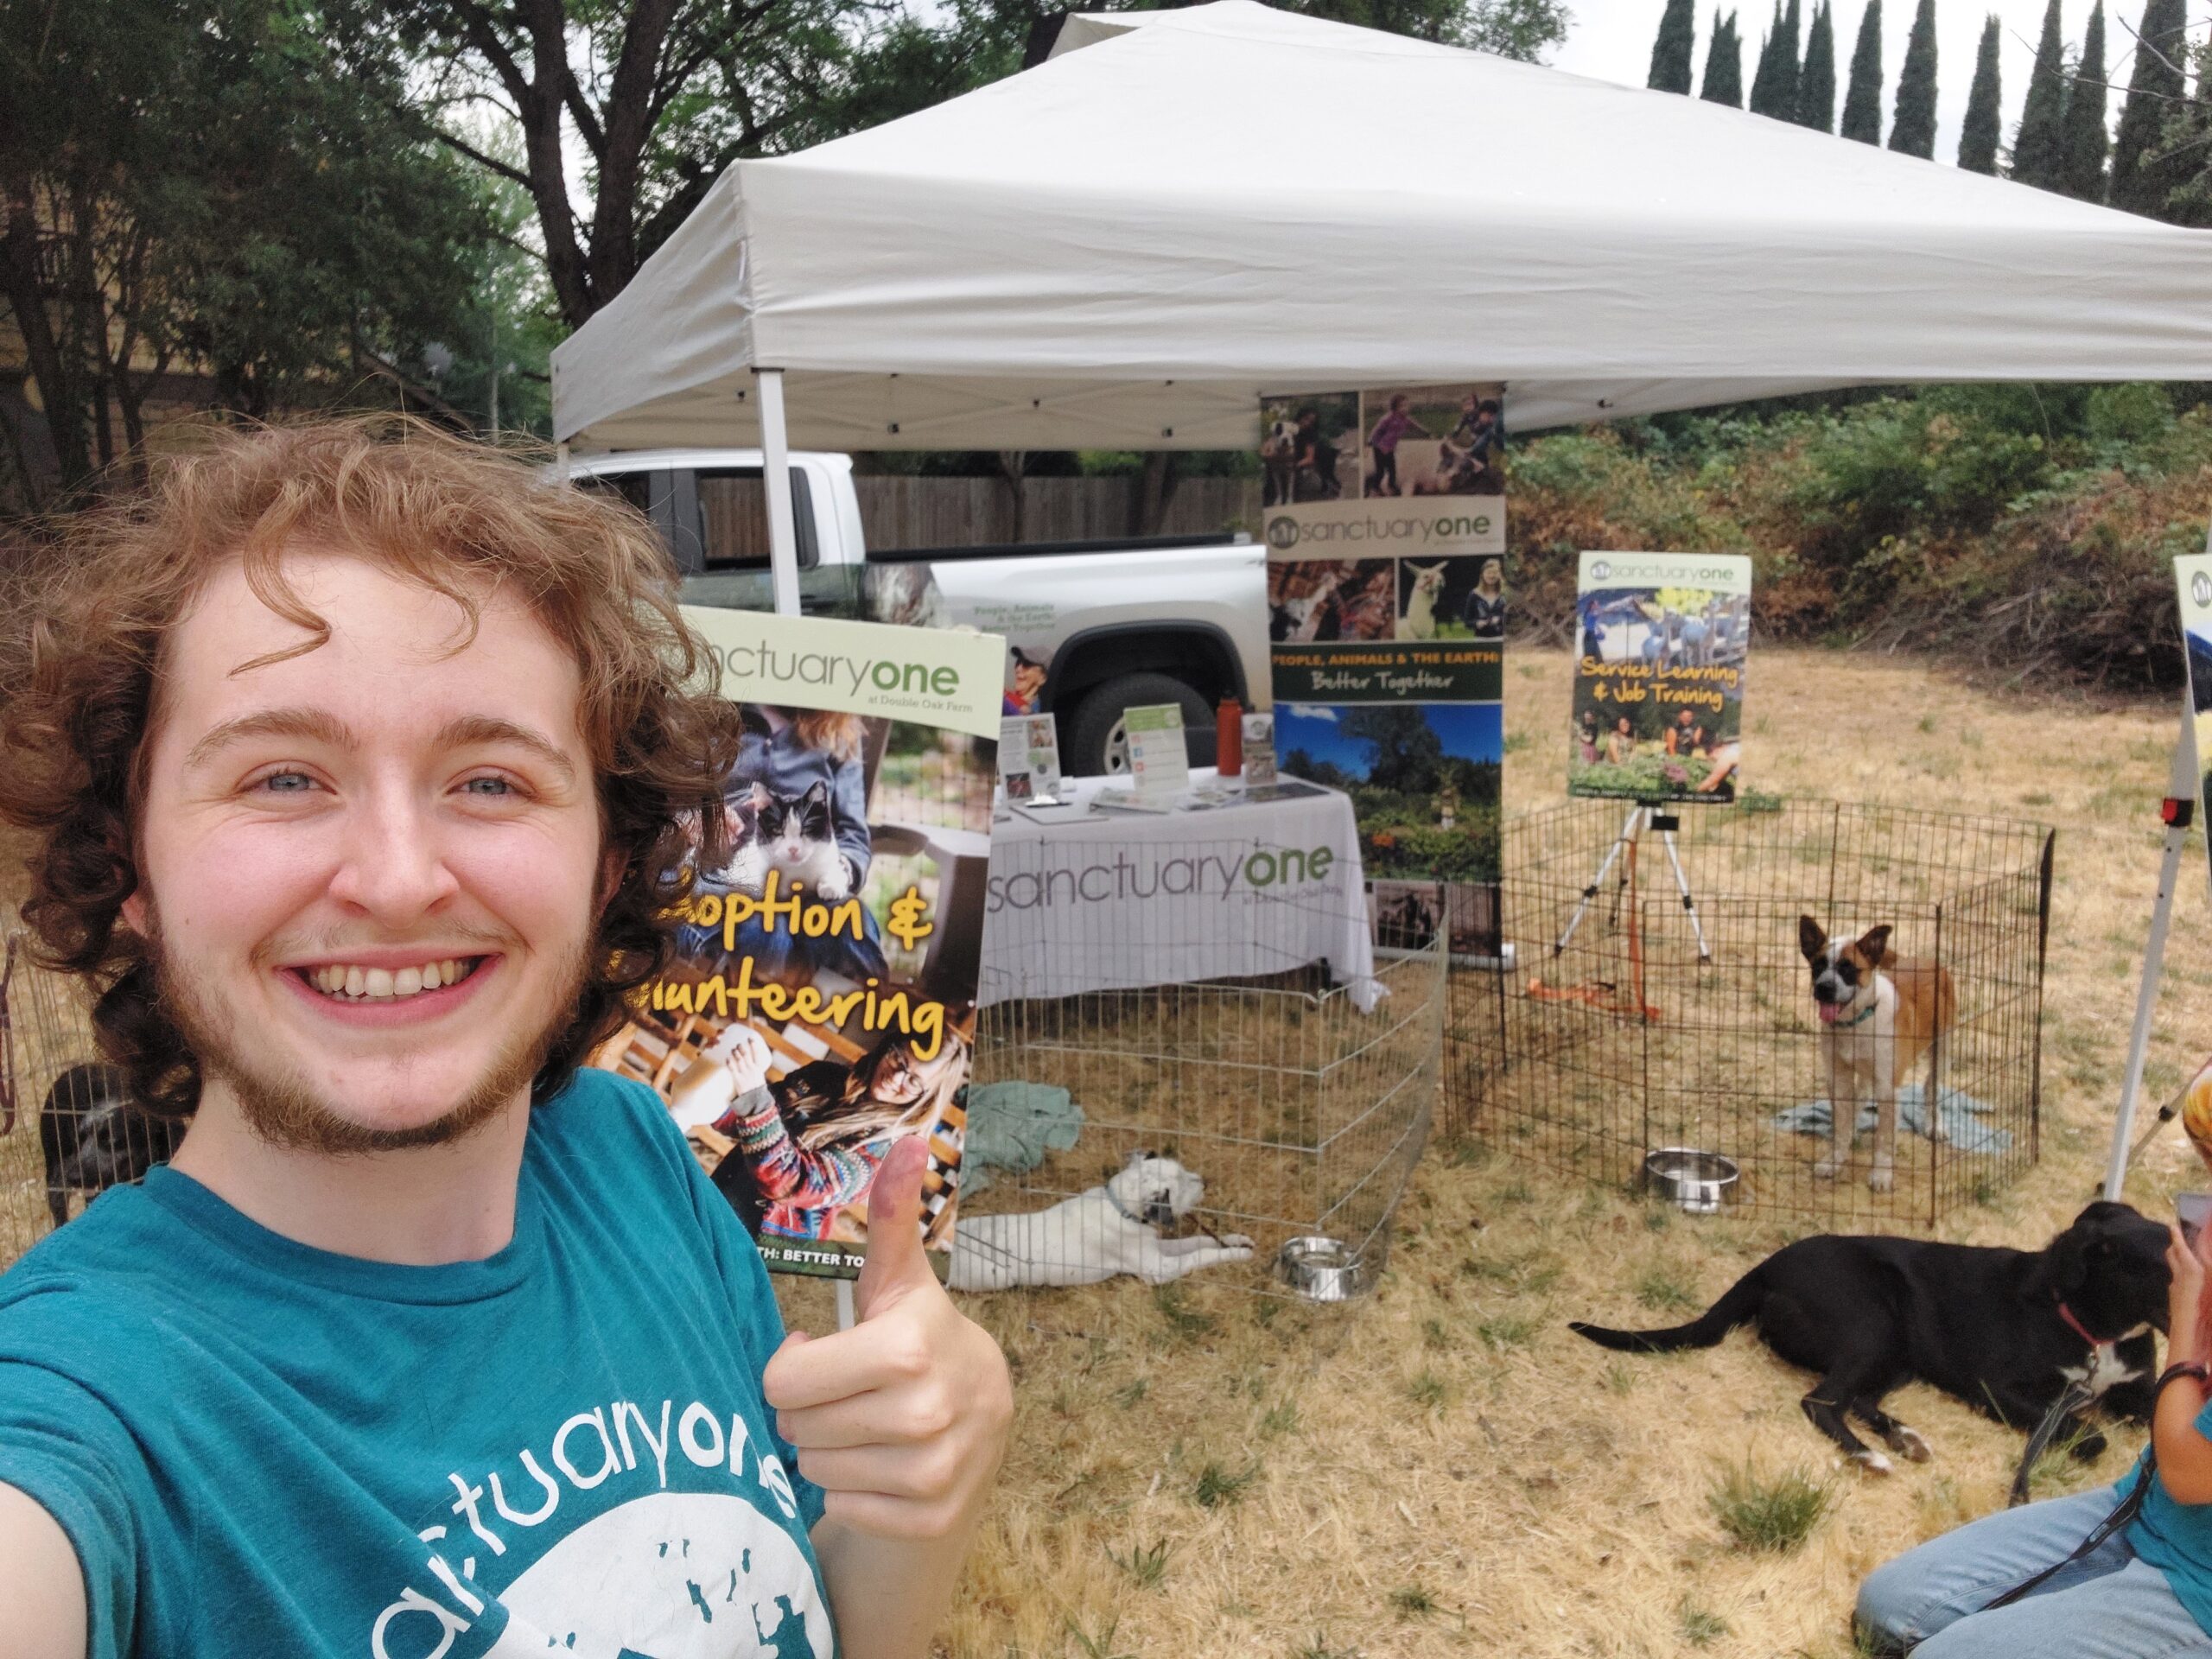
(1125, 246)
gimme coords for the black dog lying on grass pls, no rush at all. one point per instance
(2006, 1331)
(95, 1136)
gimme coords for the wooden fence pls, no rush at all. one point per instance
(900, 512)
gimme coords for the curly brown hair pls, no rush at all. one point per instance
(80, 674)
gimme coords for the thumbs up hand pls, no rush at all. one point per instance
(902, 1419)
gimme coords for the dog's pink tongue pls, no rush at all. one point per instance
(1829, 1011)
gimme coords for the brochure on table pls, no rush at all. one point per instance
(1160, 763)
(1259, 751)
(1029, 759)
(807, 1022)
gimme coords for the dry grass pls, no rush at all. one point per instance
(1446, 1470)
(1449, 1470)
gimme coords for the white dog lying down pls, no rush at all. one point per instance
(1109, 1230)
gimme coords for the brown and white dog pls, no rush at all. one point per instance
(1880, 1014)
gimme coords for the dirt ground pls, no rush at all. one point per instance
(1445, 1469)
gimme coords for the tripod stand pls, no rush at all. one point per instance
(1641, 816)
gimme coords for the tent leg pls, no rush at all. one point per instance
(2180, 794)
(776, 479)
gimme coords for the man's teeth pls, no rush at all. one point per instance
(341, 980)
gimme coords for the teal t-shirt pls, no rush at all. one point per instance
(261, 1448)
(2176, 1538)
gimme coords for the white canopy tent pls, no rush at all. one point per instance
(1124, 246)
(1127, 246)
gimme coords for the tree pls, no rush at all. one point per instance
(2039, 142)
(2143, 179)
(1912, 128)
(1724, 64)
(1862, 98)
(1774, 82)
(1816, 80)
(1671, 53)
(200, 187)
(1983, 128)
(659, 95)
(1408, 756)
(2083, 141)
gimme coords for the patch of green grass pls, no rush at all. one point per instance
(1759, 800)
(1506, 1330)
(1658, 1218)
(1281, 1418)
(1184, 1322)
(1620, 1377)
(1129, 1393)
(1427, 1389)
(1776, 1513)
(1664, 1287)
(1216, 1488)
(1096, 1647)
(1411, 1601)
(1516, 1192)
(1147, 1565)
(1319, 1647)
(1700, 1626)
(1434, 1334)
(1927, 723)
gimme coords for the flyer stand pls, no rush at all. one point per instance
(2178, 810)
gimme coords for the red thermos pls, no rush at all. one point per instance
(1229, 738)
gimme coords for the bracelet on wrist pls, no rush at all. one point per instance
(2192, 1368)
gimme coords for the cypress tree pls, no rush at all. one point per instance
(1862, 99)
(2141, 182)
(1724, 64)
(1985, 124)
(1774, 83)
(2039, 143)
(1672, 51)
(2084, 140)
(1816, 80)
(1912, 128)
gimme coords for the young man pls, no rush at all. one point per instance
(357, 761)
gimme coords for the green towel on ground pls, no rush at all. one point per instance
(1011, 1126)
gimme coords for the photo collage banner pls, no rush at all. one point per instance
(1384, 515)
(822, 1003)
(1662, 640)
(2193, 579)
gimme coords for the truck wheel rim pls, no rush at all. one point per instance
(1117, 749)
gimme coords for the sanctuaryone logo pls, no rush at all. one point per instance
(1261, 872)
(835, 668)
(1285, 532)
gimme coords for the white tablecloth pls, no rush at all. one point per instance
(1115, 901)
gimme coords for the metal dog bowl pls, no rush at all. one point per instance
(1321, 1269)
(1699, 1182)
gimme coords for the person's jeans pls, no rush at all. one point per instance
(1927, 1602)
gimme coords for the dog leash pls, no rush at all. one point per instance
(2123, 1512)
(2071, 1399)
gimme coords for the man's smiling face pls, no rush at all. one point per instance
(370, 871)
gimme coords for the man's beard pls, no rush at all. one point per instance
(284, 1109)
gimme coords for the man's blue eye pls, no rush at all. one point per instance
(495, 785)
(286, 783)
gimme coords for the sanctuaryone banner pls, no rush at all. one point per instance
(1661, 644)
(821, 1005)
(1384, 514)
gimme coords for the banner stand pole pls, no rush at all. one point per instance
(2178, 810)
(776, 479)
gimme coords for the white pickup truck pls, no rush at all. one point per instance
(1092, 627)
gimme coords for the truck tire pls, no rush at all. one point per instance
(1096, 743)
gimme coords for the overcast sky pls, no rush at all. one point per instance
(1612, 41)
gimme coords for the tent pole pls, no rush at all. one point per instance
(776, 478)
(2178, 810)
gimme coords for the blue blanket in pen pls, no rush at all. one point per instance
(1958, 1117)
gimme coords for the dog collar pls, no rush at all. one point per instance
(1118, 1209)
(1858, 1018)
(2075, 1324)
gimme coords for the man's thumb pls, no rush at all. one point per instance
(895, 1260)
